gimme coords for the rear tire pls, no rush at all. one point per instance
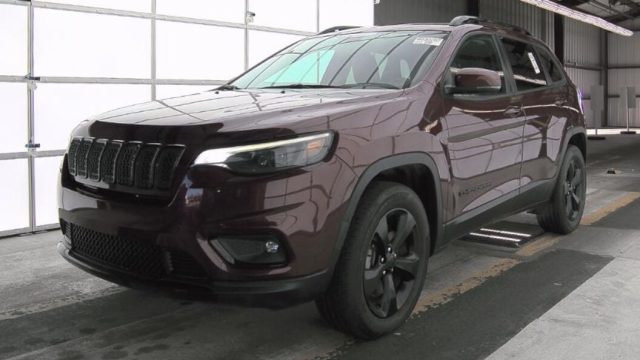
(563, 213)
(381, 270)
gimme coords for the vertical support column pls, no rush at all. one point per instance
(473, 7)
(153, 50)
(30, 121)
(246, 35)
(318, 16)
(558, 36)
(604, 75)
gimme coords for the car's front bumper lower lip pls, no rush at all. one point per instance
(264, 293)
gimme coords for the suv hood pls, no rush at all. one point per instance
(243, 110)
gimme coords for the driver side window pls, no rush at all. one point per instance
(478, 52)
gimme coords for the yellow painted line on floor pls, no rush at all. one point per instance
(544, 242)
(599, 214)
(434, 299)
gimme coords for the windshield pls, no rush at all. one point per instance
(389, 60)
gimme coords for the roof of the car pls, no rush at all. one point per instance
(401, 27)
(464, 28)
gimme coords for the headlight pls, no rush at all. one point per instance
(270, 156)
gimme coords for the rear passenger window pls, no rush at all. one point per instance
(527, 67)
(554, 71)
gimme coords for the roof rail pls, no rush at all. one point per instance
(463, 20)
(336, 29)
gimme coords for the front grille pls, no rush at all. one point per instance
(131, 164)
(131, 255)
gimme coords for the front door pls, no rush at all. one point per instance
(483, 139)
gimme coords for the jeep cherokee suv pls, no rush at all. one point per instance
(330, 171)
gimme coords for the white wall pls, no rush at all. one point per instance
(95, 55)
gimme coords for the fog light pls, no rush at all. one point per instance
(271, 247)
(250, 250)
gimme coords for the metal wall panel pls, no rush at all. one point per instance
(389, 12)
(624, 51)
(582, 43)
(536, 20)
(584, 79)
(619, 78)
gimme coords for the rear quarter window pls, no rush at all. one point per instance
(527, 68)
(553, 69)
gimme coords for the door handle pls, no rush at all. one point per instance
(561, 102)
(514, 111)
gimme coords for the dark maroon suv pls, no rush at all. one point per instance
(331, 171)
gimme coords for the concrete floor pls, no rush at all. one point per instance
(571, 297)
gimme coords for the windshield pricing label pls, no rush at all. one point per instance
(426, 40)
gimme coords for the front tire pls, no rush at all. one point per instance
(379, 276)
(563, 213)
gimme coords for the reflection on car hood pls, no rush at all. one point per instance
(235, 110)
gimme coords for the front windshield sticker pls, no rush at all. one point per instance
(427, 40)
(534, 63)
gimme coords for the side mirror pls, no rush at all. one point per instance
(475, 81)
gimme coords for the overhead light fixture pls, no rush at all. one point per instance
(580, 16)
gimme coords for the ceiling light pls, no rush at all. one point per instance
(580, 16)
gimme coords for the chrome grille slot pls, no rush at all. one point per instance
(126, 166)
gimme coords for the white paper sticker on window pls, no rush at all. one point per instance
(426, 40)
(534, 63)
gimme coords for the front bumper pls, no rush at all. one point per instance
(273, 294)
(302, 209)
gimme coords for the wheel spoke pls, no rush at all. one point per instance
(568, 205)
(406, 224)
(408, 264)
(382, 230)
(577, 178)
(575, 201)
(388, 305)
(372, 280)
(571, 171)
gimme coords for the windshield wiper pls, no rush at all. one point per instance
(371, 84)
(301, 86)
(228, 87)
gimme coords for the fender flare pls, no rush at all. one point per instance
(387, 163)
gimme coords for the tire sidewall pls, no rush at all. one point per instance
(396, 197)
(573, 153)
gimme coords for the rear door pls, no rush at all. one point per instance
(543, 96)
(483, 139)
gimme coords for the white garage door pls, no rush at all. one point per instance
(70, 59)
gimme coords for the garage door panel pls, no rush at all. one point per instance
(90, 45)
(221, 10)
(46, 176)
(60, 107)
(14, 192)
(181, 53)
(13, 39)
(13, 117)
(285, 14)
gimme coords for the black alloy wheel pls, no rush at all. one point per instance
(380, 274)
(391, 264)
(573, 190)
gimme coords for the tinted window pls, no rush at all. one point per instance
(477, 52)
(358, 60)
(527, 67)
(555, 73)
